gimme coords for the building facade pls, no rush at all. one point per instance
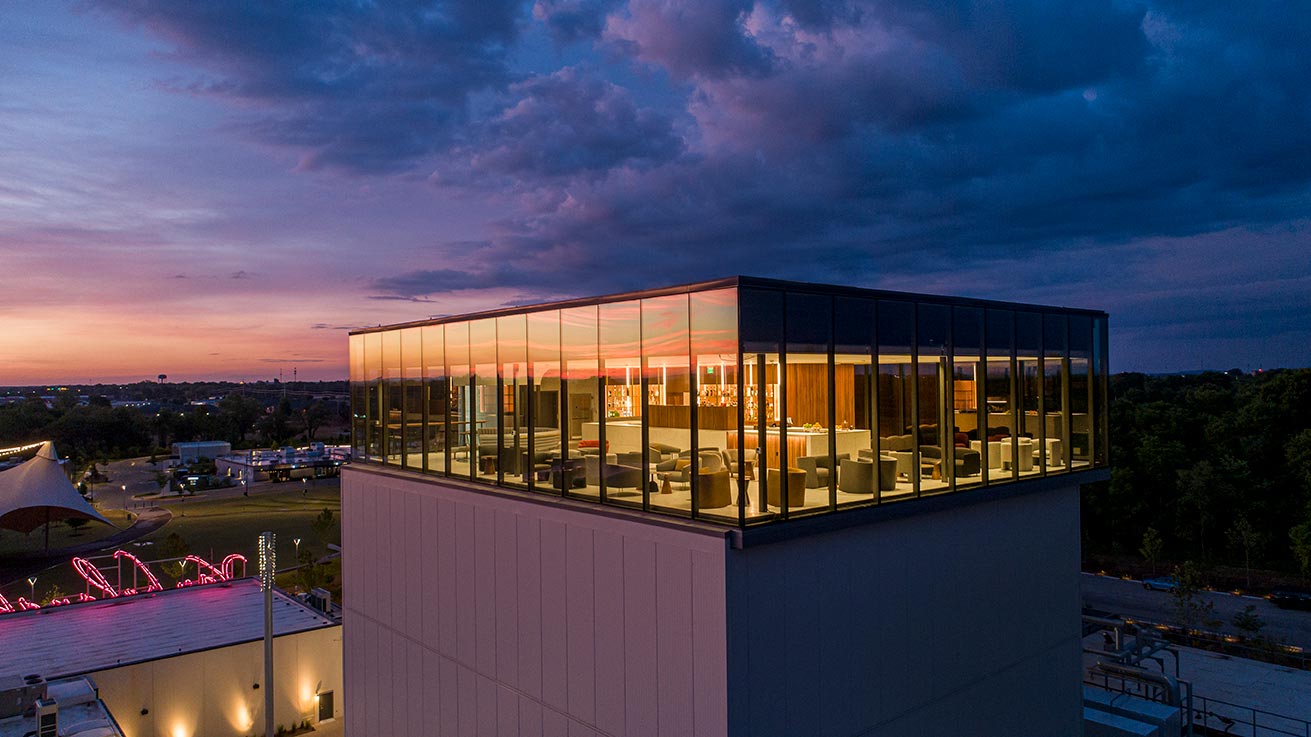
(737, 507)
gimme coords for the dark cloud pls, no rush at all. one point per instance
(1018, 149)
(356, 86)
(574, 20)
(568, 123)
(705, 38)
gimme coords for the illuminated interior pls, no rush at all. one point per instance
(741, 401)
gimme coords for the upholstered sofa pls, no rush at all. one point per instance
(617, 476)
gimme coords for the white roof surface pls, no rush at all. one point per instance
(38, 491)
(81, 713)
(84, 638)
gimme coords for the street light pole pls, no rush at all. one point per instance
(32, 583)
(268, 558)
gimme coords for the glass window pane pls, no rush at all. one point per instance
(437, 395)
(761, 323)
(966, 394)
(809, 405)
(486, 399)
(582, 403)
(544, 365)
(359, 397)
(412, 405)
(1101, 388)
(714, 352)
(1081, 391)
(1000, 396)
(460, 432)
(620, 472)
(896, 396)
(512, 358)
(391, 397)
(1028, 362)
(1055, 367)
(373, 398)
(935, 433)
(665, 346)
(861, 473)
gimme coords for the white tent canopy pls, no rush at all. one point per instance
(38, 492)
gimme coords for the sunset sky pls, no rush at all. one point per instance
(222, 189)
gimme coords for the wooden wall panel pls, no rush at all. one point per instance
(807, 393)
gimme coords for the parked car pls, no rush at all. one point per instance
(1161, 583)
(1291, 599)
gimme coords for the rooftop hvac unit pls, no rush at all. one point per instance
(47, 718)
(17, 694)
(321, 600)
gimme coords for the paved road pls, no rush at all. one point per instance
(1130, 599)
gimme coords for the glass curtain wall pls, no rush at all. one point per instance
(668, 378)
(897, 405)
(823, 401)
(545, 473)
(713, 334)
(437, 396)
(967, 396)
(861, 471)
(459, 431)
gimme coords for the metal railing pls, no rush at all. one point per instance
(1210, 716)
(1227, 718)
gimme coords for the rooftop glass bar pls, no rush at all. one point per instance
(741, 401)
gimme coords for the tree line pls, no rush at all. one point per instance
(1213, 468)
(99, 431)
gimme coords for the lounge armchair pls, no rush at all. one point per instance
(818, 469)
(713, 489)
